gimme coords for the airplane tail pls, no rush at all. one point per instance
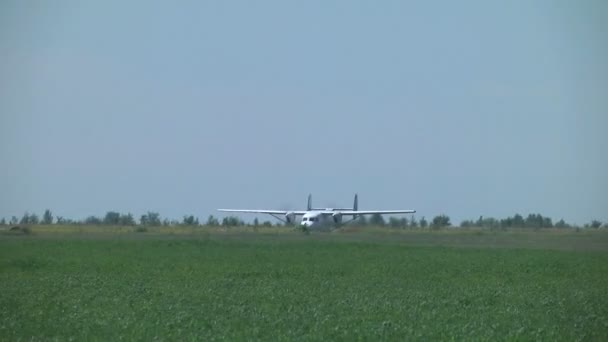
(309, 207)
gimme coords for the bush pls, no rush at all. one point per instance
(20, 230)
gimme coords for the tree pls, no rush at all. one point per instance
(3, 222)
(190, 221)
(376, 220)
(467, 224)
(112, 218)
(212, 221)
(150, 219)
(595, 224)
(47, 217)
(489, 222)
(63, 220)
(25, 219)
(506, 223)
(127, 220)
(414, 223)
(231, 221)
(440, 221)
(534, 221)
(256, 222)
(154, 218)
(518, 221)
(14, 220)
(29, 219)
(93, 220)
(561, 224)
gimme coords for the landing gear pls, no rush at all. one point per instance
(347, 222)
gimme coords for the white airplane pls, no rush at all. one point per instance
(319, 217)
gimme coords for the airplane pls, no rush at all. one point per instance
(319, 217)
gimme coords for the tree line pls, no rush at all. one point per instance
(151, 219)
(114, 218)
(516, 221)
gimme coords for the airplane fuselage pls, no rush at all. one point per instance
(317, 219)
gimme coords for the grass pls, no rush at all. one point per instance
(274, 285)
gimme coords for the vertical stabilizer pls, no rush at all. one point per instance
(309, 206)
(356, 204)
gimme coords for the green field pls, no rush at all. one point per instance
(284, 285)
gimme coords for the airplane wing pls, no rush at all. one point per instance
(371, 212)
(271, 212)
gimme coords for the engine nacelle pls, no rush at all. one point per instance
(290, 217)
(337, 217)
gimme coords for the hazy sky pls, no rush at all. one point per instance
(460, 107)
